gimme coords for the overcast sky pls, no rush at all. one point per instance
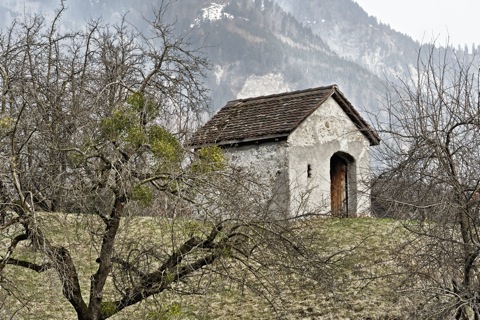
(425, 20)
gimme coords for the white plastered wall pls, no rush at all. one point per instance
(325, 132)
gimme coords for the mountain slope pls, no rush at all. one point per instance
(257, 48)
(354, 35)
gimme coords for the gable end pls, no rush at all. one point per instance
(272, 117)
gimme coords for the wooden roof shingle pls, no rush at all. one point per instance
(273, 116)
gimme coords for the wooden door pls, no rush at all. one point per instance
(339, 186)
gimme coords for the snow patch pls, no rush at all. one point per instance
(212, 13)
(218, 72)
(215, 12)
(263, 85)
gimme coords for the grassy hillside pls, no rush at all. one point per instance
(360, 280)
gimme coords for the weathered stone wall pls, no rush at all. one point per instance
(267, 164)
(327, 131)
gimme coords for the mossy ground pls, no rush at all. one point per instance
(363, 281)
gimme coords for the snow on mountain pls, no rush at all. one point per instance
(212, 13)
(215, 12)
(218, 71)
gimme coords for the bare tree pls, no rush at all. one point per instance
(430, 177)
(93, 122)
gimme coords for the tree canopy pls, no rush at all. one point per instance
(94, 122)
(429, 178)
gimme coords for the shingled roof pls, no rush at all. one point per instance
(273, 116)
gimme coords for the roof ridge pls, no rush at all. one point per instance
(263, 117)
(276, 95)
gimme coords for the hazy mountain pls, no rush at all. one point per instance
(353, 34)
(258, 47)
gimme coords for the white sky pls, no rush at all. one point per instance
(425, 20)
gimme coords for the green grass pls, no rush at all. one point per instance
(360, 281)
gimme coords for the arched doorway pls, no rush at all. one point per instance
(342, 185)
